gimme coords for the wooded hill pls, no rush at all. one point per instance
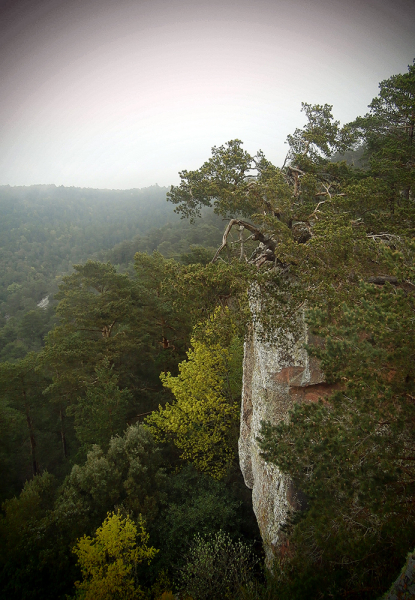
(44, 230)
(125, 424)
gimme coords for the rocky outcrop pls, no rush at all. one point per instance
(276, 374)
(404, 587)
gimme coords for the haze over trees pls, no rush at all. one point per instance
(119, 413)
(46, 229)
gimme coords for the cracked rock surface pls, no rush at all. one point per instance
(276, 374)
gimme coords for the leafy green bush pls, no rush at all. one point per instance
(218, 568)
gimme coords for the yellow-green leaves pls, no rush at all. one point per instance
(202, 421)
(108, 560)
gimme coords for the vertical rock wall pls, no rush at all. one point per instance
(275, 375)
(404, 586)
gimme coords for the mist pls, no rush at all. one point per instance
(125, 94)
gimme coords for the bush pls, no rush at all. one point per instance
(218, 568)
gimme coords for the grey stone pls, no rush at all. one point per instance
(276, 374)
(404, 586)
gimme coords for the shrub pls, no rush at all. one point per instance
(217, 568)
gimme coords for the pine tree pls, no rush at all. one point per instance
(337, 241)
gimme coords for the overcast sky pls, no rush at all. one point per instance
(125, 93)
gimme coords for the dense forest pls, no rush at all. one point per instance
(121, 340)
(46, 229)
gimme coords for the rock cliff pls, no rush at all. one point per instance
(276, 374)
(404, 586)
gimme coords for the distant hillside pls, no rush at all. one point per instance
(48, 228)
(354, 158)
(45, 229)
(105, 217)
(173, 240)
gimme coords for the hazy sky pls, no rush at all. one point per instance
(125, 93)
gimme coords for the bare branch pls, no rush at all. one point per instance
(241, 239)
(382, 279)
(257, 235)
(285, 160)
(296, 173)
(315, 211)
(383, 236)
(296, 170)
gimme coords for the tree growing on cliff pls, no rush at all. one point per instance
(353, 454)
(321, 229)
(314, 222)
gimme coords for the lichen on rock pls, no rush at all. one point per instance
(276, 374)
(404, 586)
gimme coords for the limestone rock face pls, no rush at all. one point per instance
(404, 587)
(275, 375)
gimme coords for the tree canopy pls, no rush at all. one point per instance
(107, 561)
(338, 240)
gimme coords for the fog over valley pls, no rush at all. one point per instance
(125, 94)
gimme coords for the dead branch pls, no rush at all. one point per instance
(256, 235)
(296, 173)
(315, 211)
(107, 329)
(296, 170)
(241, 239)
(382, 279)
(383, 236)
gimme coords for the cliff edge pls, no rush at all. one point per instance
(276, 374)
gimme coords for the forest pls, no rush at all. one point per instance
(122, 330)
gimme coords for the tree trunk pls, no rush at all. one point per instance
(35, 465)
(63, 438)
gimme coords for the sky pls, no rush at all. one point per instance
(124, 94)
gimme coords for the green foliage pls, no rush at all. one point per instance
(220, 182)
(187, 293)
(320, 138)
(39, 527)
(161, 589)
(181, 296)
(326, 228)
(12, 427)
(355, 452)
(196, 503)
(202, 421)
(34, 436)
(197, 255)
(29, 567)
(217, 568)
(173, 240)
(129, 474)
(320, 222)
(101, 413)
(352, 455)
(165, 313)
(388, 133)
(316, 229)
(102, 352)
(108, 560)
(98, 304)
(44, 229)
